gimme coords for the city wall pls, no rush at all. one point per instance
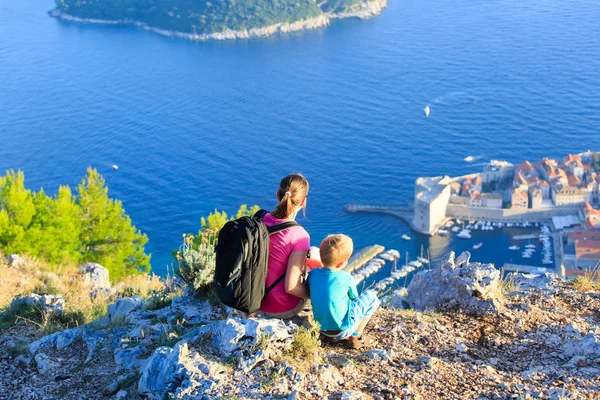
(507, 215)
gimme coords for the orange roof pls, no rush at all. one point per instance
(526, 167)
(520, 193)
(573, 180)
(520, 179)
(584, 235)
(543, 182)
(572, 158)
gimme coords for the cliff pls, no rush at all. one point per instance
(479, 337)
(225, 24)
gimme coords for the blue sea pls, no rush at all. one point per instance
(195, 127)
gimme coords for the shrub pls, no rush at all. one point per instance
(196, 266)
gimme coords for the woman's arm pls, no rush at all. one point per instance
(293, 284)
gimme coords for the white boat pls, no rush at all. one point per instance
(477, 246)
(458, 221)
(387, 257)
(415, 264)
(455, 229)
(530, 246)
(464, 234)
(405, 237)
(443, 232)
(394, 253)
(514, 248)
(427, 110)
(115, 167)
(449, 224)
(423, 260)
(469, 158)
(547, 262)
(526, 255)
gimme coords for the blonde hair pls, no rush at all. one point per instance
(292, 191)
(335, 249)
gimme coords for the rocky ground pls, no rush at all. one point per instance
(541, 339)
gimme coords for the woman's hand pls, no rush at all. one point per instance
(293, 276)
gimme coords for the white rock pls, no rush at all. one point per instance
(47, 303)
(44, 364)
(15, 261)
(95, 276)
(121, 308)
(178, 371)
(472, 286)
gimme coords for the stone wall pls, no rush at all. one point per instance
(515, 215)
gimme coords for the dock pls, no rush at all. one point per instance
(525, 237)
(525, 268)
(404, 213)
(362, 257)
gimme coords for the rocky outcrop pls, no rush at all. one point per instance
(47, 303)
(95, 276)
(364, 9)
(15, 261)
(471, 286)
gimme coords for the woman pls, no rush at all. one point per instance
(287, 251)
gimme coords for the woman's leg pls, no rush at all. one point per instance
(288, 314)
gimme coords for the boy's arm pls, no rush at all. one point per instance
(352, 291)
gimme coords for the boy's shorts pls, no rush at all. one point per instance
(363, 306)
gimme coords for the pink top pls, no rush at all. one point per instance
(281, 246)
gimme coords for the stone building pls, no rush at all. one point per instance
(431, 199)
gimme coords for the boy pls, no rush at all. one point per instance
(337, 307)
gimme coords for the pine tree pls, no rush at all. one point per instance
(107, 234)
(16, 212)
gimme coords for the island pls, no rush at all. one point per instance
(217, 19)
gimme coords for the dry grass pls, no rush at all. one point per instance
(589, 281)
(36, 276)
(306, 350)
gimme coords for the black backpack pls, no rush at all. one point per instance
(242, 261)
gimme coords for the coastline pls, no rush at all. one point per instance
(362, 10)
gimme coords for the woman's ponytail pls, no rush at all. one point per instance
(292, 191)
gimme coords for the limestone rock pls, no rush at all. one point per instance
(178, 371)
(44, 363)
(545, 281)
(58, 340)
(472, 286)
(398, 300)
(193, 310)
(47, 303)
(121, 308)
(129, 359)
(15, 261)
(95, 276)
(352, 395)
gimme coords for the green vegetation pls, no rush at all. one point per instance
(67, 227)
(596, 162)
(306, 349)
(203, 17)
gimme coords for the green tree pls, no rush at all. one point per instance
(107, 234)
(16, 212)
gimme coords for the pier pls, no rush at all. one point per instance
(362, 257)
(524, 268)
(404, 213)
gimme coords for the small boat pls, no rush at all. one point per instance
(423, 260)
(405, 237)
(115, 167)
(456, 229)
(514, 248)
(427, 110)
(464, 234)
(443, 232)
(469, 158)
(526, 255)
(530, 246)
(477, 246)
(449, 224)
(415, 264)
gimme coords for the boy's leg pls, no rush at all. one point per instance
(361, 310)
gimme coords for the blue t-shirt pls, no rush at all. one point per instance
(331, 293)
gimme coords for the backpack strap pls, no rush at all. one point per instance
(272, 286)
(281, 227)
(260, 214)
(274, 229)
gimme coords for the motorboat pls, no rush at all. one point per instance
(464, 234)
(423, 260)
(469, 158)
(530, 246)
(455, 229)
(477, 246)
(115, 167)
(514, 248)
(443, 232)
(427, 110)
(394, 253)
(449, 224)
(416, 264)
(405, 237)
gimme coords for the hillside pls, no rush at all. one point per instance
(525, 337)
(213, 17)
